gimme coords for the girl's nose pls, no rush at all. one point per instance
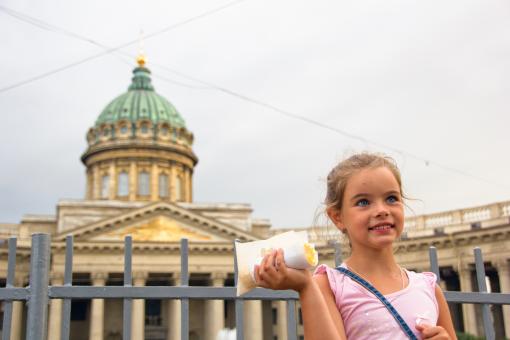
(382, 211)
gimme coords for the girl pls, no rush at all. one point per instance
(365, 202)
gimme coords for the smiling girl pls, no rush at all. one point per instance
(369, 296)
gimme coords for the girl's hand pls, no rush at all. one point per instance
(274, 274)
(433, 332)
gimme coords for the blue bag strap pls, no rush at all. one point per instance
(381, 297)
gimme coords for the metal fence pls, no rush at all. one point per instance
(38, 293)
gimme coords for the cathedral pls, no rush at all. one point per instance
(139, 173)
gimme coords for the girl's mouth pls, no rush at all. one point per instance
(382, 227)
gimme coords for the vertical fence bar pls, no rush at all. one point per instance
(482, 288)
(184, 282)
(11, 265)
(128, 303)
(37, 319)
(291, 320)
(239, 302)
(338, 253)
(434, 264)
(68, 281)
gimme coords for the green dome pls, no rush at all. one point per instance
(141, 102)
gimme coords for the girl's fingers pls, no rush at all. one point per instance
(280, 261)
(430, 332)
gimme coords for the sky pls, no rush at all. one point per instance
(426, 82)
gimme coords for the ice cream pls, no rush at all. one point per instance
(297, 254)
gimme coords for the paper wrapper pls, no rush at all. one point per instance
(250, 254)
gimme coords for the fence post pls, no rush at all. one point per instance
(37, 319)
(7, 321)
(434, 264)
(482, 288)
(185, 283)
(239, 303)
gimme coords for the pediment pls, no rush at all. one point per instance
(159, 222)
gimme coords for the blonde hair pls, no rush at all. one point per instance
(339, 176)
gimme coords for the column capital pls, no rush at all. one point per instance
(464, 268)
(140, 277)
(98, 278)
(57, 278)
(218, 278)
(501, 265)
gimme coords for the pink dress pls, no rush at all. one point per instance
(365, 317)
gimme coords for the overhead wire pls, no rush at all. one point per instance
(107, 50)
(209, 85)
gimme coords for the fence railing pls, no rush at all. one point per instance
(39, 292)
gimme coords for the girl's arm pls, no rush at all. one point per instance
(444, 328)
(321, 318)
(315, 322)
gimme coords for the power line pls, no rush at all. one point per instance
(108, 50)
(209, 85)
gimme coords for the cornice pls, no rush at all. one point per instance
(137, 145)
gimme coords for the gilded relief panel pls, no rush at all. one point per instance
(159, 229)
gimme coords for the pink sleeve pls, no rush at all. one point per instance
(431, 279)
(323, 269)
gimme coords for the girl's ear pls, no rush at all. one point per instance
(335, 216)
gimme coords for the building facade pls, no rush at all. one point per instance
(139, 169)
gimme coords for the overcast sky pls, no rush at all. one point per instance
(430, 78)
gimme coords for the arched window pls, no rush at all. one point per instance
(178, 189)
(144, 181)
(105, 186)
(163, 185)
(123, 184)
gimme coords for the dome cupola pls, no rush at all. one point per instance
(139, 147)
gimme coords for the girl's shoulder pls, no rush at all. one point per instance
(335, 278)
(426, 279)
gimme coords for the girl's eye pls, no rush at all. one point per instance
(362, 202)
(392, 199)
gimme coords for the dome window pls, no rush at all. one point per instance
(144, 128)
(164, 131)
(105, 186)
(123, 129)
(106, 132)
(163, 185)
(123, 184)
(144, 181)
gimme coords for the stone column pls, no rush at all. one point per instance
(187, 184)
(253, 320)
(96, 184)
(174, 316)
(468, 310)
(138, 316)
(154, 182)
(55, 311)
(17, 314)
(214, 310)
(281, 318)
(90, 180)
(97, 309)
(504, 284)
(132, 181)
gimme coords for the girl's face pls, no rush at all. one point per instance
(372, 211)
